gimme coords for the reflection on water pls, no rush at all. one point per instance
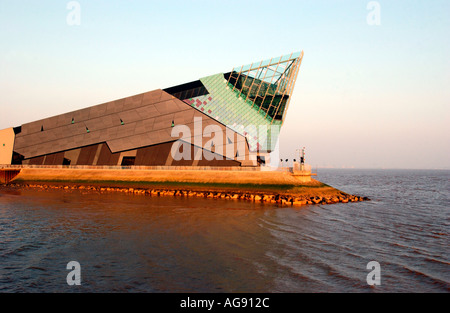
(139, 243)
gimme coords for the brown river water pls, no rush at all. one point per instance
(137, 243)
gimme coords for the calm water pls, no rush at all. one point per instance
(128, 243)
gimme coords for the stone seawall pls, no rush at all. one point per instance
(274, 198)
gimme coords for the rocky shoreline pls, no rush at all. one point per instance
(263, 197)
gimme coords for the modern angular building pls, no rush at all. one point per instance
(243, 108)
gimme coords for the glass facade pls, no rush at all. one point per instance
(251, 96)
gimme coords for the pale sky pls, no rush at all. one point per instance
(367, 96)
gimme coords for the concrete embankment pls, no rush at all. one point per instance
(259, 186)
(258, 178)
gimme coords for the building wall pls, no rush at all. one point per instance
(156, 155)
(6, 145)
(140, 126)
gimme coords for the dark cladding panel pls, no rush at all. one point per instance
(111, 133)
(80, 115)
(54, 159)
(78, 140)
(152, 97)
(98, 110)
(140, 127)
(141, 156)
(136, 141)
(87, 155)
(31, 128)
(153, 155)
(106, 157)
(37, 160)
(114, 106)
(103, 122)
(163, 122)
(129, 116)
(184, 117)
(50, 159)
(150, 155)
(127, 143)
(64, 119)
(133, 102)
(165, 97)
(51, 122)
(167, 107)
(93, 137)
(147, 111)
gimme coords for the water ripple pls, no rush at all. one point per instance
(128, 243)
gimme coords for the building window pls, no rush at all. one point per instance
(128, 161)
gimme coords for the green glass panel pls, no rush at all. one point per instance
(296, 55)
(275, 60)
(250, 98)
(285, 57)
(246, 67)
